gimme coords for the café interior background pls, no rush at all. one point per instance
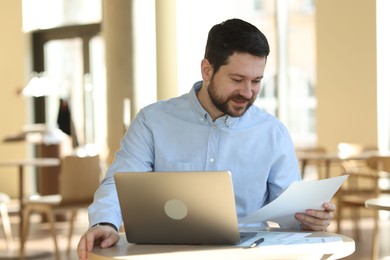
(327, 76)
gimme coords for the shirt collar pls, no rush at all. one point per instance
(202, 114)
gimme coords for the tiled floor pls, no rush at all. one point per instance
(39, 238)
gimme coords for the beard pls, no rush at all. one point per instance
(224, 103)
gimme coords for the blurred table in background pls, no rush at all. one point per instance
(48, 142)
(21, 164)
(380, 203)
(330, 158)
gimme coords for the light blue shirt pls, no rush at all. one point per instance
(179, 135)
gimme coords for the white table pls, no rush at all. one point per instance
(380, 203)
(124, 250)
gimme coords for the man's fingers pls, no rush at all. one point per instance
(319, 214)
(110, 240)
(103, 236)
(87, 242)
(82, 248)
(314, 220)
(330, 207)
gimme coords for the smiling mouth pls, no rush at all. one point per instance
(240, 102)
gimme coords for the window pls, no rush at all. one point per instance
(72, 56)
(288, 89)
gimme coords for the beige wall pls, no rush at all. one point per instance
(346, 72)
(12, 78)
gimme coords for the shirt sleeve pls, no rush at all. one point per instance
(135, 154)
(285, 169)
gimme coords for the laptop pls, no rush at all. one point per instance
(179, 208)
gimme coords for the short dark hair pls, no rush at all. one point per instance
(231, 36)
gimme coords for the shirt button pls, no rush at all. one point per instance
(212, 160)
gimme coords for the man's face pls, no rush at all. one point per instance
(235, 86)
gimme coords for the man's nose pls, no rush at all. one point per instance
(246, 90)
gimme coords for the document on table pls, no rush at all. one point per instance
(298, 197)
(282, 244)
(275, 239)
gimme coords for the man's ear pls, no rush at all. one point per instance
(207, 70)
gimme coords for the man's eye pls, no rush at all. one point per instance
(237, 80)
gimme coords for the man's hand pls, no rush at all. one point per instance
(316, 220)
(104, 236)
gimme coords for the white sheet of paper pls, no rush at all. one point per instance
(298, 197)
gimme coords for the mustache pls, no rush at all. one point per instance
(241, 98)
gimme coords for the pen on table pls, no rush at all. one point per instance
(257, 242)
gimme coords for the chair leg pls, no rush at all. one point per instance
(50, 217)
(71, 228)
(338, 218)
(375, 238)
(355, 219)
(26, 226)
(6, 227)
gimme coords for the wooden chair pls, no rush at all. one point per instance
(361, 185)
(78, 180)
(5, 221)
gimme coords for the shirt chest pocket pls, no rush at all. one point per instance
(164, 164)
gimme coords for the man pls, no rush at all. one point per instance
(213, 127)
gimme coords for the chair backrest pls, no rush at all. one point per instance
(363, 176)
(79, 178)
